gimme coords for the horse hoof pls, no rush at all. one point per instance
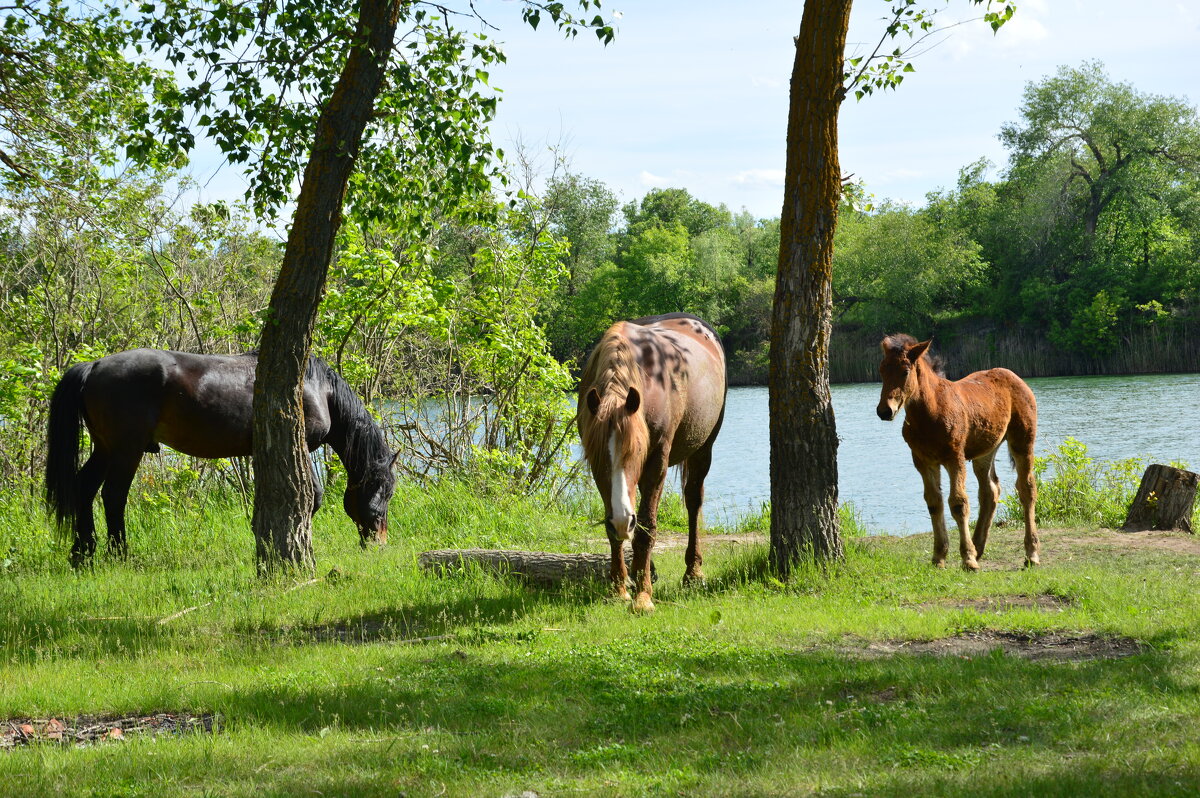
(939, 563)
(970, 565)
(1032, 561)
(693, 580)
(642, 605)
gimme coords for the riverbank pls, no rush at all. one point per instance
(976, 345)
(881, 676)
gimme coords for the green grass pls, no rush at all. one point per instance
(743, 687)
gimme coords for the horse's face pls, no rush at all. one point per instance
(623, 471)
(367, 505)
(898, 370)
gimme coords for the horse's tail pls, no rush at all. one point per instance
(62, 445)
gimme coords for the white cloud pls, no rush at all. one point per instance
(759, 177)
(1021, 31)
(653, 181)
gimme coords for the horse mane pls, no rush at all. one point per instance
(612, 370)
(896, 343)
(363, 445)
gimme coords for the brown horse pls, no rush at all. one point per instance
(948, 423)
(652, 396)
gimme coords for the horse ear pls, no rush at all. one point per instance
(914, 354)
(633, 400)
(593, 401)
(395, 457)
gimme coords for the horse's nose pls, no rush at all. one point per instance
(624, 530)
(885, 412)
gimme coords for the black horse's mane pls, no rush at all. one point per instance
(364, 445)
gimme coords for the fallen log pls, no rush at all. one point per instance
(540, 567)
(1164, 500)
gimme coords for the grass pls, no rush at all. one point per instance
(743, 687)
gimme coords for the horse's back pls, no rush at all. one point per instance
(684, 361)
(1002, 407)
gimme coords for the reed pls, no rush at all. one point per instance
(1152, 350)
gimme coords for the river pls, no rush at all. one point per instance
(1117, 417)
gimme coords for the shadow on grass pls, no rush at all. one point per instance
(648, 706)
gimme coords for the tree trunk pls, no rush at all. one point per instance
(540, 567)
(283, 491)
(1164, 500)
(803, 435)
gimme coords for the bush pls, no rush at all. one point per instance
(1075, 489)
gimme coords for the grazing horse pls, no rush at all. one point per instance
(652, 396)
(948, 423)
(199, 405)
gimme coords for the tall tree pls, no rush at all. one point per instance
(1116, 140)
(329, 85)
(803, 433)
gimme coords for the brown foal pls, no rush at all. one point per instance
(948, 423)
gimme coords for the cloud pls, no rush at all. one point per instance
(759, 178)
(653, 181)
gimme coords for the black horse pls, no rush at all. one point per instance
(199, 405)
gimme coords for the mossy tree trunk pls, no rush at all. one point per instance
(803, 436)
(283, 490)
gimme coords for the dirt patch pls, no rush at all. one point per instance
(90, 730)
(1047, 647)
(1178, 542)
(1045, 602)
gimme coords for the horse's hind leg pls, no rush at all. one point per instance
(931, 475)
(90, 477)
(695, 469)
(121, 469)
(1027, 491)
(989, 497)
(960, 508)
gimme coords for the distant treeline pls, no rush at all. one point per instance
(1081, 257)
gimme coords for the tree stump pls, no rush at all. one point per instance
(1164, 500)
(540, 567)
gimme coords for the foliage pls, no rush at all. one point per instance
(897, 269)
(1074, 489)
(69, 92)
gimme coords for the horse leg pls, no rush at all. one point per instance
(318, 489)
(1027, 491)
(989, 496)
(654, 475)
(960, 508)
(931, 475)
(115, 494)
(90, 477)
(617, 571)
(695, 469)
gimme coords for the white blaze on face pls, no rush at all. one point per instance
(622, 510)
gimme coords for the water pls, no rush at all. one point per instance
(1117, 417)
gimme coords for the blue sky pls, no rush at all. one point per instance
(694, 94)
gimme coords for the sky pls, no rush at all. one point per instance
(694, 94)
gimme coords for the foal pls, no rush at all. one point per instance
(948, 423)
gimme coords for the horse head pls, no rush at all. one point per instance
(899, 367)
(616, 450)
(366, 502)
